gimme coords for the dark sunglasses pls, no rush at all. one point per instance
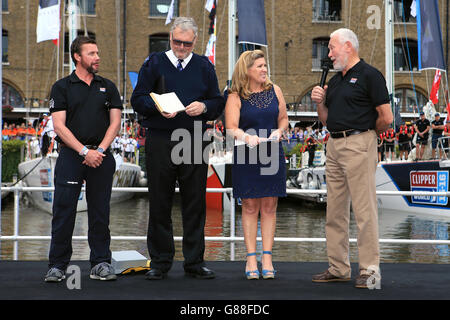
(186, 44)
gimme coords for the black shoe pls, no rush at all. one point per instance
(200, 273)
(155, 274)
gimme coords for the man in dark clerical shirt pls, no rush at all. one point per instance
(193, 78)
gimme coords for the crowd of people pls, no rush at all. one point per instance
(404, 139)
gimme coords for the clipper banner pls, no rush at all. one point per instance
(48, 24)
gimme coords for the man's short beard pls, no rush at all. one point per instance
(90, 69)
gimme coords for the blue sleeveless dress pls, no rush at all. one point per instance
(260, 171)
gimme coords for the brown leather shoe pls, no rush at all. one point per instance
(328, 277)
(363, 282)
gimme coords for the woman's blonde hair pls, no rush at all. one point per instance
(240, 83)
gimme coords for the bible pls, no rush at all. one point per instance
(167, 102)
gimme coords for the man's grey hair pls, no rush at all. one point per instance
(185, 24)
(346, 35)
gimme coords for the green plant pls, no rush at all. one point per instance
(10, 158)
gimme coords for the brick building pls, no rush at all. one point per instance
(297, 33)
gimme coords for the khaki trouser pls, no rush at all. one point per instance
(350, 173)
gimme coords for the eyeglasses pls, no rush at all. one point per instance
(186, 44)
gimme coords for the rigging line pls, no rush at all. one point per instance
(349, 13)
(409, 55)
(360, 15)
(47, 86)
(375, 40)
(221, 19)
(204, 18)
(83, 12)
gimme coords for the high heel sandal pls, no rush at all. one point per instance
(268, 274)
(252, 274)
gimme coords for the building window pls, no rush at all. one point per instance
(158, 42)
(159, 8)
(327, 10)
(403, 61)
(67, 57)
(84, 6)
(4, 45)
(11, 97)
(4, 5)
(407, 99)
(403, 8)
(319, 51)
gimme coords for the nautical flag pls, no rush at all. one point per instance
(431, 51)
(211, 49)
(413, 9)
(448, 112)
(209, 5)
(434, 93)
(170, 13)
(133, 78)
(48, 24)
(252, 22)
(210, 52)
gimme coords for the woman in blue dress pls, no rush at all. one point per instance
(256, 117)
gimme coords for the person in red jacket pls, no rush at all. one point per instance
(446, 134)
(404, 137)
(389, 144)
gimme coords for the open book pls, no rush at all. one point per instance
(167, 102)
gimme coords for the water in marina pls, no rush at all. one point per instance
(294, 219)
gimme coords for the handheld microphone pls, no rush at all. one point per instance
(326, 65)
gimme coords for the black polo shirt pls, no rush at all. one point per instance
(422, 125)
(439, 122)
(352, 99)
(87, 107)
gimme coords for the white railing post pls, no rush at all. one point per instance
(231, 238)
(232, 225)
(16, 223)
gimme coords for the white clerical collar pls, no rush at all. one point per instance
(174, 59)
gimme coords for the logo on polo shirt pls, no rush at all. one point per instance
(353, 80)
(102, 89)
(51, 103)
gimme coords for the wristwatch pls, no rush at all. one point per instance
(101, 150)
(84, 151)
(205, 109)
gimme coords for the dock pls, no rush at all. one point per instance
(24, 280)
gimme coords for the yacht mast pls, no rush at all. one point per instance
(389, 36)
(231, 39)
(72, 24)
(389, 14)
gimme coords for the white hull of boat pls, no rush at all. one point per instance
(126, 175)
(428, 176)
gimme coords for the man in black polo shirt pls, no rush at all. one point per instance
(86, 111)
(355, 106)
(422, 127)
(438, 127)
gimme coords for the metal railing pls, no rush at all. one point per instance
(231, 238)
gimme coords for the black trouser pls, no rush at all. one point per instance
(68, 180)
(162, 175)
